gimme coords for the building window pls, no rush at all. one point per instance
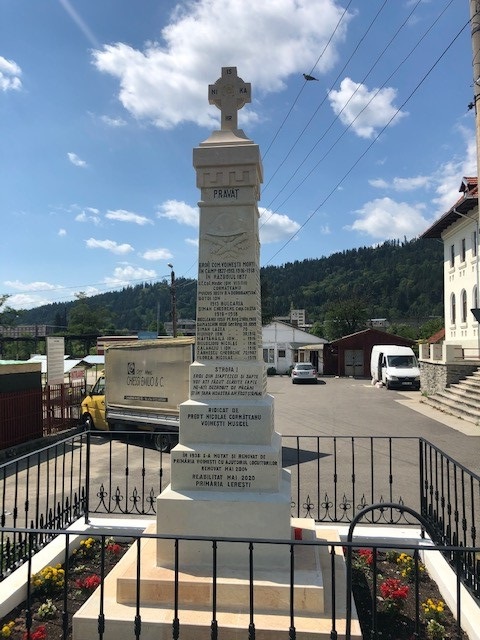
(463, 251)
(282, 353)
(474, 244)
(452, 255)
(452, 309)
(463, 296)
(475, 297)
(268, 356)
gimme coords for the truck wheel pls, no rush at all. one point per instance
(162, 442)
(87, 422)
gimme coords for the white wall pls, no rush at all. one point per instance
(460, 280)
(279, 337)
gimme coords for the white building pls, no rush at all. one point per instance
(458, 229)
(283, 345)
(297, 317)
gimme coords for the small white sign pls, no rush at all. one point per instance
(55, 360)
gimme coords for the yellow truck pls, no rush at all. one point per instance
(143, 384)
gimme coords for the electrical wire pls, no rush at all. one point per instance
(340, 73)
(329, 41)
(351, 123)
(369, 146)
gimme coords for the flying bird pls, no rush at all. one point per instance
(307, 77)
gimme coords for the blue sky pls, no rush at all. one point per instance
(102, 102)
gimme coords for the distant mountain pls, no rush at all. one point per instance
(396, 280)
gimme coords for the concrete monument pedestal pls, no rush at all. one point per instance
(227, 480)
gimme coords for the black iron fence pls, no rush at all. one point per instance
(333, 479)
(142, 611)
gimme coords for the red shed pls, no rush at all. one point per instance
(350, 355)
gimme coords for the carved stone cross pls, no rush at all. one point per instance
(229, 93)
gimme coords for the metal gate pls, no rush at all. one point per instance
(354, 363)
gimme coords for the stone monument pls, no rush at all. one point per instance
(227, 480)
(226, 473)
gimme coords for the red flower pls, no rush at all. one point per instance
(366, 555)
(394, 589)
(89, 583)
(40, 633)
(113, 548)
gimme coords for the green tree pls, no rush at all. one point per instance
(317, 329)
(404, 330)
(8, 316)
(345, 317)
(83, 319)
(430, 327)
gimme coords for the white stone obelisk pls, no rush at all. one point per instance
(226, 472)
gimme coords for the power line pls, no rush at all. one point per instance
(325, 98)
(327, 152)
(353, 94)
(303, 86)
(367, 149)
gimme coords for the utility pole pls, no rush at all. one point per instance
(173, 293)
(475, 30)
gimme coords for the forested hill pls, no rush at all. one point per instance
(396, 280)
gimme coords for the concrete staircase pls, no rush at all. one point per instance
(461, 400)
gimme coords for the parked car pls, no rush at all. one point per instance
(304, 372)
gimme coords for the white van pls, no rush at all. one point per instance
(394, 366)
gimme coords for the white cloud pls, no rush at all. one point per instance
(275, 227)
(192, 241)
(402, 184)
(31, 286)
(89, 214)
(127, 274)
(26, 301)
(449, 175)
(89, 291)
(366, 111)
(179, 211)
(109, 245)
(384, 219)
(127, 216)
(10, 74)
(157, 254)
(75, 160)
(113, 122)
(379, 183)
(62, 232)
(165, 82)
(444, 181)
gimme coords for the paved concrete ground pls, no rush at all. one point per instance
(345, 408)
(352, 407)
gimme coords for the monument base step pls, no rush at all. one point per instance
(312, 599)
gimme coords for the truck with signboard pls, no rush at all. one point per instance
(143, 384)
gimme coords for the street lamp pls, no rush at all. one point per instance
(174, 300)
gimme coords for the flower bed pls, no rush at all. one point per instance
(83, 576)
(398, 576)
(395, 606)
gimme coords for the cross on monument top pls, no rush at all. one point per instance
(229, 93)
